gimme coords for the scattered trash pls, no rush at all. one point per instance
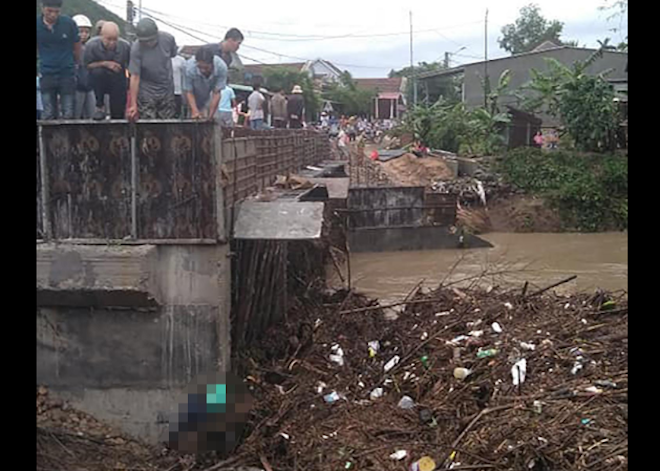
(425, 416)
(518, 371)
(508, 305)
(286, 436)
(608, 305)
(337, 355)
(443, 314)
(461, 373)
(593, 390)
(491, 352)
(577, 366)
(320, 386)
(497, 328)
(538, 407)
(457, 340)
(476, 333)
(424, 336)
(392, 363)
(425, 361)
(332, 397)
(374, 347)
(348, 465)
(399, 455)
(425, 463)
(586, 421)
(376, 393)
(406, 402)
(527, 346)
(606, 384)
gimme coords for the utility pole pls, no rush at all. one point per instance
(486, 78)
(446, 60)
(129, 12)
(140, 11)
(412, 66)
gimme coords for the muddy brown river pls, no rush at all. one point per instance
(598, 260)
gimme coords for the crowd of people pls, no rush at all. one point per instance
(89, 71)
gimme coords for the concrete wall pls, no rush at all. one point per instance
(520, 75)
(129, 365)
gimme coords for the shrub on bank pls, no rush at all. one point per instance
(590, 191)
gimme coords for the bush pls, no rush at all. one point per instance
(590, 191)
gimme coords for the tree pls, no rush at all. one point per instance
(529, 31)
(279, 78)
(584, 103)
(620, 13)
(355, 102)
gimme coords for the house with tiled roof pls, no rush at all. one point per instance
(390, 100)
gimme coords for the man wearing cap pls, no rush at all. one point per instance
(296, 108)
(107, 57)
(58, 47)
(205, 78)
(152, 80)
(84, 94)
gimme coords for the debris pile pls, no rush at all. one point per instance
(458, 380)
(410, 170)
(68, 439)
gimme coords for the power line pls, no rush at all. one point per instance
(284, 37)
(278, 54)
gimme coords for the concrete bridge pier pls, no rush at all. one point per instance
(122, 330)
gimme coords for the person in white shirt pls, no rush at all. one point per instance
(178, 65)
(256, 102)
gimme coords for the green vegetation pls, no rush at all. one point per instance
(584, 103)
(530, 30)
(355, 102)
(91, 9)
(452, 127)
(590, 191)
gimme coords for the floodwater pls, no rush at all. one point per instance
(598, 260)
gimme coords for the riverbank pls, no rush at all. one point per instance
(525, 190)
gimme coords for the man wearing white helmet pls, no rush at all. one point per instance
(85, 98)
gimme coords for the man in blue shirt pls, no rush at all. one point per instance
(205, 77)
(59, 49)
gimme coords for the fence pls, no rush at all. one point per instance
(156, 181)
(253, 159)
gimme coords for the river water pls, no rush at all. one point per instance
(599, 261)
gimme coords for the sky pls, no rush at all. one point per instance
(368, 37)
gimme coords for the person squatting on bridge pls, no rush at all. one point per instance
(107, 58)
(84, 107)
(59, 50)
(204, 80)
